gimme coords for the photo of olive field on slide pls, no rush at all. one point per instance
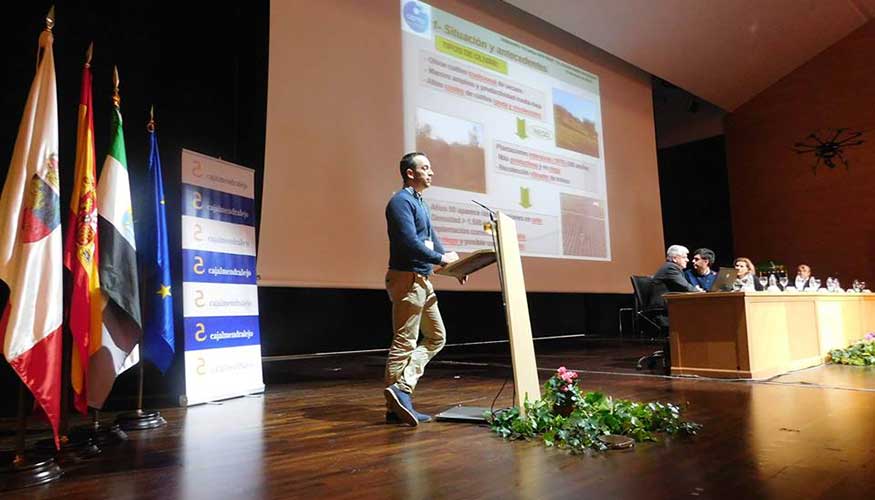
(455, 148)
(583, 226)
(574, 119)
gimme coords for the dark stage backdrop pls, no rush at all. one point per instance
(204, 67)
(694, 190)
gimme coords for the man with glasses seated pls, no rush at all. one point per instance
(670, 276)
(701, 275)
(803, 277)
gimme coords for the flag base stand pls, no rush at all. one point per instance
(99, 434)
(72, 450)
(29, 469)
(140, 420)
(102, 435)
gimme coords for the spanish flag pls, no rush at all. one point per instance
(81, 249)
(30, 243)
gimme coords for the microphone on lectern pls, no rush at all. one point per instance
(491, 212)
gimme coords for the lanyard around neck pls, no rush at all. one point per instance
(421, 200)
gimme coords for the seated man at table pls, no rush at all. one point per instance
(803, 277)
(670, 276)
(701, 275)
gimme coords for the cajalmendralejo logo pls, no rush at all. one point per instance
(416, 16)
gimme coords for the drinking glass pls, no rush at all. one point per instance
(814, 284)
(764, 280)
(783, 280)
(800, 282)
(830, 284)
(856, 286)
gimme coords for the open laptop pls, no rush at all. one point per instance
(725, 278)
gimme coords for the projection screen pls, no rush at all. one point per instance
(512, 112)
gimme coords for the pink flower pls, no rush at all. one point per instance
(568, 376)
(869, 336)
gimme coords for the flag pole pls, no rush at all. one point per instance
(141, 419)
(150, 128)
(98, 433)
(23, 470)
(66, 377)
(84, 447)
(22, 424)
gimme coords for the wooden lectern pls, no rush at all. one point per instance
(516, 307)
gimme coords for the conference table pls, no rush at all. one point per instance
(756, 335)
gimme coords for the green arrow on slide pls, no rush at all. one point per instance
(521, 128)
(525, 198)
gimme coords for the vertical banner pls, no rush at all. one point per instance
(219, 294)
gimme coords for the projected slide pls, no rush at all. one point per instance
(509, 126)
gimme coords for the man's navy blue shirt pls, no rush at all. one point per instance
(408, 221)
(704, 282)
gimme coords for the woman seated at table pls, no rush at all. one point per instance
(746, 280)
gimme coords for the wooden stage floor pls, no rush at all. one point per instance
(318, 432)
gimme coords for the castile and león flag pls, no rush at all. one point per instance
(31, 244)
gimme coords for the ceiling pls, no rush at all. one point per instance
(724, 51)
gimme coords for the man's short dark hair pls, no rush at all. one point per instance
(707, 254)
(408, 161)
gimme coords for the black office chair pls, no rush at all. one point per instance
(651, 315)
(645, 309)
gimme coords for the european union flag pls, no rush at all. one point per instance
(158, 340)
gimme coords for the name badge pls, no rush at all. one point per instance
(429, 244)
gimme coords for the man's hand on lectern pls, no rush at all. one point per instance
(449, 258)
(463, 279)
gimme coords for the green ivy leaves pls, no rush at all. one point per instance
(594, 414)
(861, 353)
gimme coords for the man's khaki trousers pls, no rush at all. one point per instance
(414, 308)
